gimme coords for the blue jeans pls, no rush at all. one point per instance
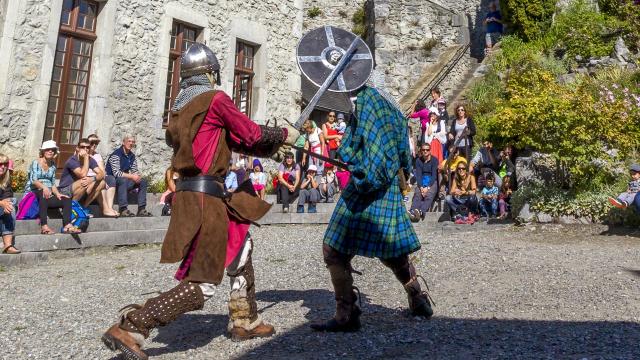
(468, 201)
(124, 185)
(8, 221)
(489, 207)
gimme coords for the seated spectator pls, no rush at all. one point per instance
(41, 180)
(122, 165)
(75, 181)
(259, 179)
(314, 142)
(231, 181)
(486, 163)
(436, 136)
(463, 194)
(493, 23)
(166, 199)
(328, 184)
(426, 174)
(506, 166)
(629, 197)
(504, 200)
(288, 181)
(309, 192)
(7, 208)
(462, 131)
(489, 198)
(448, 169)
(109, 192)
(331, 136)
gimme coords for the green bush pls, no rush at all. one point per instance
(359, 20)
(156, 186)
(528, 19)
(628, 14)
(314, 12)
(583, 31)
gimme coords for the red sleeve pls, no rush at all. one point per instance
(241, 130)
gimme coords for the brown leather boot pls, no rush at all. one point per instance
(117, 339)
(263, 329)
(418, 300)
(347, 318)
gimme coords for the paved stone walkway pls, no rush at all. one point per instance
(532, 292)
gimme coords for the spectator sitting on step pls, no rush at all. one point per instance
(122, 165)
(259, 179)
(288, 181)
(506, 166)
(309, 192)
(328, 184)
(41, 180)
(76, 181)
(7, 208)
(489, 198)
(486, 162)
(231, 181)
(426, 174)
(109, 192)
(632, 195)
(504, 199)
(463, 195)
(448, 169)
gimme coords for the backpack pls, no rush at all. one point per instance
(28, 208)
(79, 216)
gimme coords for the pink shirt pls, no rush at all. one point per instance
(424, 118)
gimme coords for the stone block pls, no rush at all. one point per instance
(25, 258)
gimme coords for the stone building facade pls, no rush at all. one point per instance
(129, 65)
(129, 60)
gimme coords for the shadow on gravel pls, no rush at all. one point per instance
(391, 333)
(616, 230)
(190, 331)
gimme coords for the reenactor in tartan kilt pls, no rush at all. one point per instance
(370, 218)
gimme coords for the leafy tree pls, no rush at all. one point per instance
(528, 19)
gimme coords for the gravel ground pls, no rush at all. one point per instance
(528, 292)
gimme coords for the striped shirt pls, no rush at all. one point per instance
(120, 163)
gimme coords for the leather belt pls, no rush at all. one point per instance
(210, 185)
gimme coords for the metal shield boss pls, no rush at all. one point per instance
(320, 50)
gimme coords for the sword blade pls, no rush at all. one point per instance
(330, 79)
(331, 161)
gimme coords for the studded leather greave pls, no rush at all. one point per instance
(401, 267)
(163, 309)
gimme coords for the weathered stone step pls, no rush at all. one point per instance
(31, 227)
(90, 239)
(24, 258)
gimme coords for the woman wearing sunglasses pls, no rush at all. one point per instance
(109, 192)
(463, 195)
(462, 131)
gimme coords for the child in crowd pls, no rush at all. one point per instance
(489, 198)
(342, 125)
(328, 184)
(631, 195)
(258, 179)
(504, 199)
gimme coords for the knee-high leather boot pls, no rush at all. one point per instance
(405, 272)
(136, 323)
(347, 318)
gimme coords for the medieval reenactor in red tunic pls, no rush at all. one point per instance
(208, 231)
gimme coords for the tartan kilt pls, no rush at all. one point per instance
(373, 225)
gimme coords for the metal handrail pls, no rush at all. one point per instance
(442, 74)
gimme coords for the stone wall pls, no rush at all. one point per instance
(332, 12)
(132, 71)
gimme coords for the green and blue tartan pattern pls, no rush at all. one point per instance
(370, 218)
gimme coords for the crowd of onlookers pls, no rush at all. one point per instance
(444, 168)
